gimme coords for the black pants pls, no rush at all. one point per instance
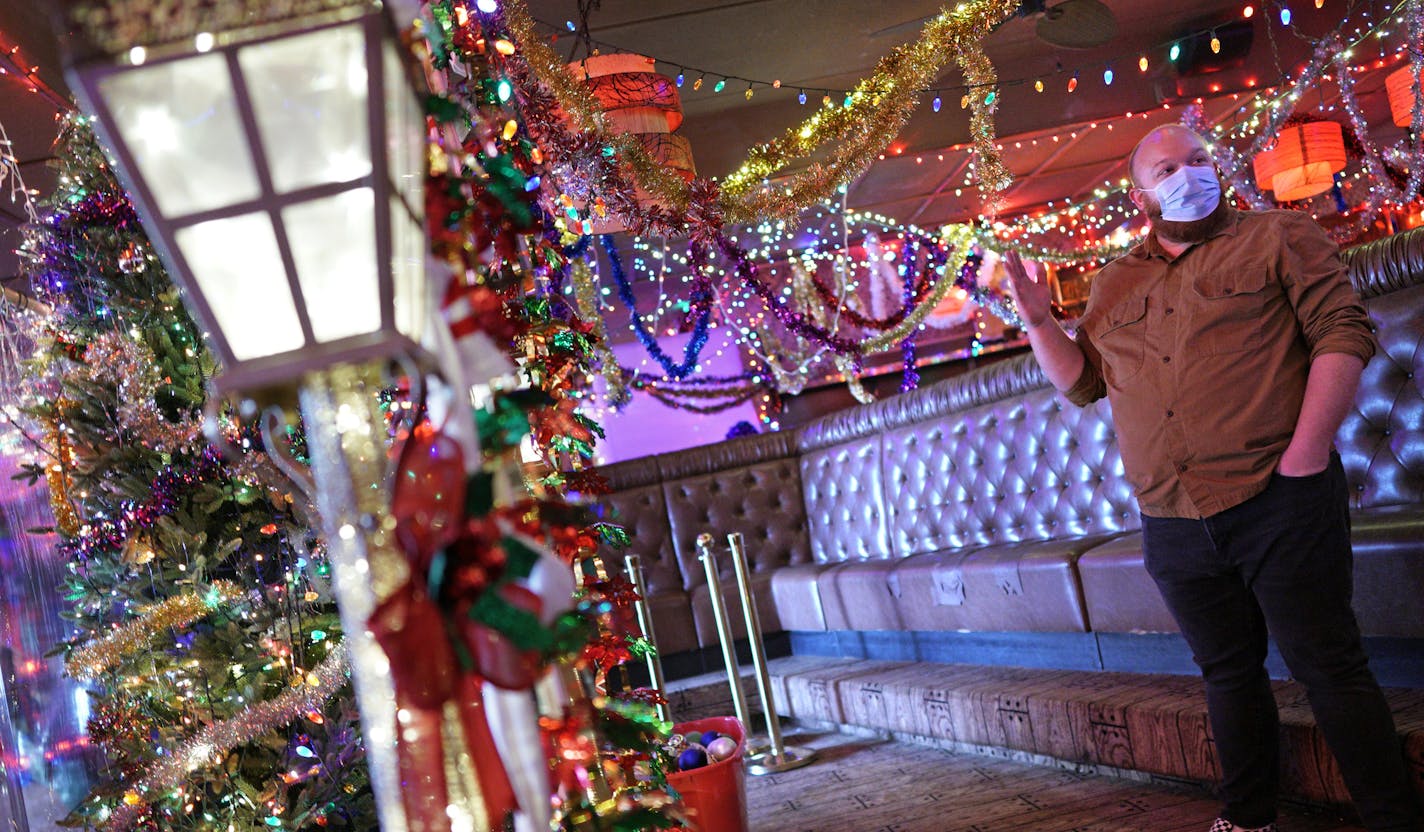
(1282, 561)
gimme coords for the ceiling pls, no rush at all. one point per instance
(828, 45)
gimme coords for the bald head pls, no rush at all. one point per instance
(1168, 146)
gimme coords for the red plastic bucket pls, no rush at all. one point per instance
(715, 795)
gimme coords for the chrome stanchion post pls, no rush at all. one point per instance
(779, 757)
(724, 631)
(634, 565)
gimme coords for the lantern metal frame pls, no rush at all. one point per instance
(87, 72)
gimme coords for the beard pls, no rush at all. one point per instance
(1187, 231)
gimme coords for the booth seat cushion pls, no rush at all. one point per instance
(1121, 596)
(796, 593)
(845, 503)
(643, 512)
(673, 622)
(706, 624)
(1379, 440)
(1015, 587)
(1028, 468)
(1389, 570)
(862, 597)
(762, 501)
(1388, 544)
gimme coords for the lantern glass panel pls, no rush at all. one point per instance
(309, 94)
(408, 271)
(405, 140)
(334, 249)
(179, 120)
(238, 268)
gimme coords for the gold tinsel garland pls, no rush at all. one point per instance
(586, 298)
(177, 612)
(879, 107)
(66, 517)
(959, 242)
(210, 746)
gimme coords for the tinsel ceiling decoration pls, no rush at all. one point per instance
(852, 132)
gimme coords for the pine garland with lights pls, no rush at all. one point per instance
(198, 592)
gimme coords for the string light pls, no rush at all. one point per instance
(1142, 63)
(1248, 11)
(1215, 44)
(801, 97)
(721, 85)
(1175, 53)
(1108, 76)
(1285, 15)
(681, 76)
(1073, 82)
(937, 103)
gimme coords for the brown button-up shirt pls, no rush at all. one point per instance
(1205, 357)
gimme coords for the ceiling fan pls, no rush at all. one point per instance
(1070, 24)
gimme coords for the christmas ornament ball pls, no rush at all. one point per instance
(691, 758)
(721, 748)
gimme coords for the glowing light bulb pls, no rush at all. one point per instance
(1142, 63)
(1038, 85)
(1175, 53)
(801, 97)
(1215, 44)
(1248, 11)
(1285, 15)
(680, 78)
(721, 85)
(1108, 76)
(936, 104)
(1073, 82)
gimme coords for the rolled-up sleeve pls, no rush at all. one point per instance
(1090, 385)
(1331, 316)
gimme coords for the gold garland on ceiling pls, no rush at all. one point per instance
(856, 134)
(960, 240)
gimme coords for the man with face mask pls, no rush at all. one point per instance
(1230, 345)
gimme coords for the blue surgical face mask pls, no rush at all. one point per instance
(1191, 193)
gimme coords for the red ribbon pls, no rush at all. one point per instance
(428, 505)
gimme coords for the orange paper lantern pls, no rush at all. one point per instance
(1399, 86)
(641, 102)
(1304, 161)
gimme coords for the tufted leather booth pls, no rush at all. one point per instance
(988, 503)
(762, 500)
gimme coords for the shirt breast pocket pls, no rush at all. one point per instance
(1230, 311)
(1123, 340)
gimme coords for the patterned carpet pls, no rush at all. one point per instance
(870, 785)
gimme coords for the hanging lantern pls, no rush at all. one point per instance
(639, 101)
(1304, 161)
(1399, 86)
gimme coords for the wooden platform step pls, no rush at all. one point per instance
(1155, 724)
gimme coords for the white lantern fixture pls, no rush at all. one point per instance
(277, 161)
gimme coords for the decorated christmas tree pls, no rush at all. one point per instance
(203, 622)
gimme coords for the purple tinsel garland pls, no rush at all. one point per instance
(792, 320)
(908, 255)
(111, 534)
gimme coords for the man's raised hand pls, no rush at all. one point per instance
(1030, 296)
